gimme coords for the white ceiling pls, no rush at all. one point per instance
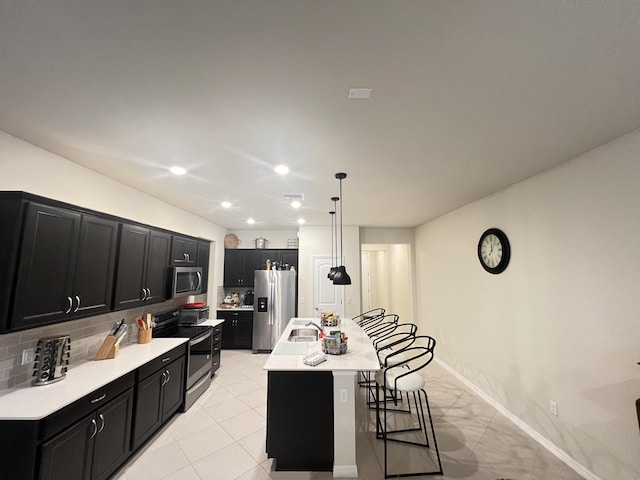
(467, 97)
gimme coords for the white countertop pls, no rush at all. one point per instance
(29, 402)
(211, 322)
(360, 355)
(234, 309)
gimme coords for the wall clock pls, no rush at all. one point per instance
(494, 250)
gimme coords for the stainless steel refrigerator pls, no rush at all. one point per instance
(274, 305)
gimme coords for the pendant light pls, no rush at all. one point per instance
(334, 240)
(341, 277)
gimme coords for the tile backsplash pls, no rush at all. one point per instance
(87, 334)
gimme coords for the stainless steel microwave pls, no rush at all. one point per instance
(186, 281)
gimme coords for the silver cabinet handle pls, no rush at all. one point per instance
(77, 306)
(164, 378)
(95, 428)
(102, 423)
(149, 293)
(199, 275)
(100, 398)
(184, 257)
(144, 295)
(166, 359)
(168, 376)
(70, 305)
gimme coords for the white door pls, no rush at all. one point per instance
(327, 297)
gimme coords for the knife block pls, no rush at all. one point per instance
(108, 349)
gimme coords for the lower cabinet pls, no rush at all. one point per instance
(95, 435)
(287, 443)
(158, 396)
(92, 448)
(217, 345)
(237, 329)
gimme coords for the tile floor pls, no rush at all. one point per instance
(222, 437)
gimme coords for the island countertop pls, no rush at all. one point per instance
(287, 356)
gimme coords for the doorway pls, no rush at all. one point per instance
(327, 297)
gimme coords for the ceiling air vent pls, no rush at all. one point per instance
(294, 196)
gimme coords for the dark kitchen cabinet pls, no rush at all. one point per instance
(204, 248)
(159, 395)
(92, 448)
(142, 273)
(66, 267)
(237, 329)
(287, 443)
(239, 265)
(217, 346)
(184, 251)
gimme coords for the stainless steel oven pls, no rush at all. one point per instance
(199, 359)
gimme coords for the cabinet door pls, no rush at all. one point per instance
(111, 443)
(47, 264)
(243, 337)
(173, 394)
(157, 274)
(203, 262)
(290, 257)
(95, 266)
(233, 267)
(134, 244)
(184, 251)
(250, 265)
(67, 456)
(148, 415)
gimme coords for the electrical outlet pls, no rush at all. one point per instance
(344, 395)
(27, 356)
(553, 407)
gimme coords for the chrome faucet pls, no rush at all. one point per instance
(315, 325)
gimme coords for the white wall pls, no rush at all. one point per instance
(562, 322)
(317, 241)
(276, 238)
(31, 169)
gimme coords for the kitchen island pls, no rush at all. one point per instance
(298, 395)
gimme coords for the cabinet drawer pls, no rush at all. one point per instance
(162, 361)
(70, 414)
(215, 361)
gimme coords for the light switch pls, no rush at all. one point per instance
(344, 395)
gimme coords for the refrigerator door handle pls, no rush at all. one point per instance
(271, 299)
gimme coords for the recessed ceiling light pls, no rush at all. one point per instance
(250, 221)
(359, 93)
(296, 204)
(225, 204)
(282, 169)
(301, 221)
(176, 170)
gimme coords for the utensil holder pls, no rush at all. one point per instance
(144, 336)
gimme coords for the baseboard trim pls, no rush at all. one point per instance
(542, 440)
(345, 470)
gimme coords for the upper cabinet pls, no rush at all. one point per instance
(143, 265)
(60, 262)
(184, 251)
(204, 248)
(240, 264)
(65, 267)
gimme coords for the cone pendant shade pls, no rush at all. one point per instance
(341, 276)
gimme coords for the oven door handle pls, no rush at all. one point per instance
(197, 340)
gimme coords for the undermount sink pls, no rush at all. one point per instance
(303, 335)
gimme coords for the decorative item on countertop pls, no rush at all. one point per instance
(314, 358)
(52, 359)
(111, 345)
(335, 343)
(329, 319)
(145, 328)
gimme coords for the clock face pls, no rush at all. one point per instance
(494, 250)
